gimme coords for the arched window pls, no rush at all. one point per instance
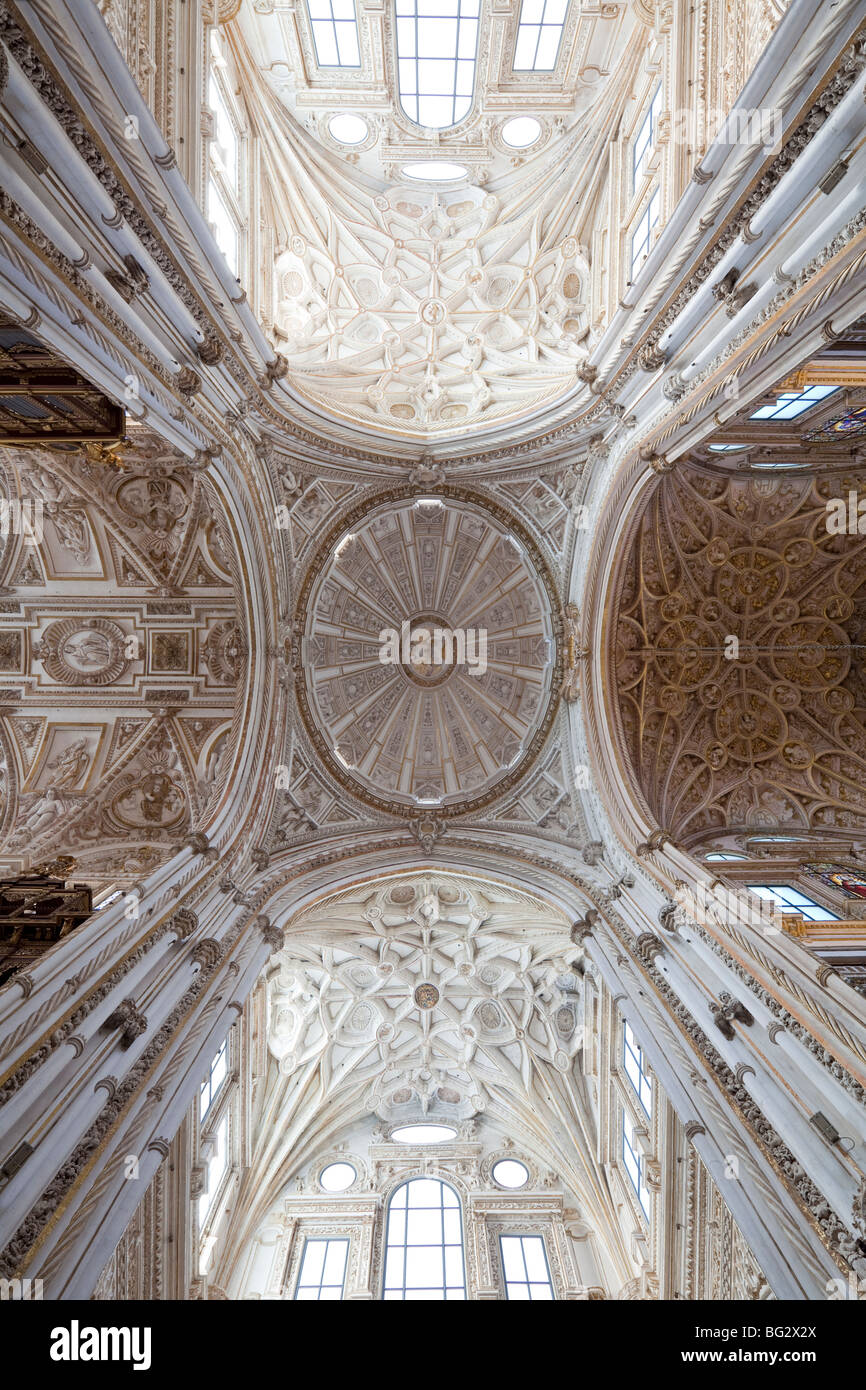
(424, 1243)
(437, 41)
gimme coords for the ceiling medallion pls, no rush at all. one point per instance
(426, 996)
(83, 651)
(428, 652)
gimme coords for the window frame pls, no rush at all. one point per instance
(784, 400)
(638, 254)
(231, 193)
(417, 56)
(540, 26)
(634, 1050)
(207, 1200)
(214, 1094)
(522, 1236)
(638, 1188)
(398, 1292)
(782, 906)
(327, 1240)
(650, 120)
(334, 22)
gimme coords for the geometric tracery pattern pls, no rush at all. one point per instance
(771, 737)
(424, 312)
(349, 1035)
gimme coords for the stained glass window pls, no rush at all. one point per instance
(844, 880)
(852, 422)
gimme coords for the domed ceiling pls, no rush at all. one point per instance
(408, 727)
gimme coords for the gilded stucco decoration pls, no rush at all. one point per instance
(121, 656)
(738, 692)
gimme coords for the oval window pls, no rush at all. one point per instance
(509, 1173)
(435, 171)
(349, 130)
(521, 132)
(423, 1134)
(337, 1177)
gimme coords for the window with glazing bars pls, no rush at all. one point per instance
(424, 1244)
(437, 41)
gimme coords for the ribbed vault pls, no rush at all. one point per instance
(432, 997)
(736, 689)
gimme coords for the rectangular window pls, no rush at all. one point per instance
(527, 1273)
(217, 1168)
(789, 404)
(634, 1164)
(225, 230)
(335, 33)
(635, 1068)
(792, 900)
(323, 1269)
(539, 32)
(214, 1079)
(225, 142)
(644, 141)
(642, 237)
(106, 902)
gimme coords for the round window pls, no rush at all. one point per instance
(337, 1177)
(521, 132)
(349, 130)
(509, 1173)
